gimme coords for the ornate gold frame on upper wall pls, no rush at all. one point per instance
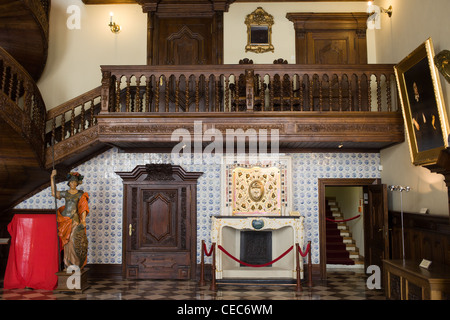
(423, 107)
(259, 31)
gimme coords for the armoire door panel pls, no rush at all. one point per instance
(159, 219)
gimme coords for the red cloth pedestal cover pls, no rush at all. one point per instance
(33, 253)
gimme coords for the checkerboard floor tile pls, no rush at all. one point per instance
(339, 285)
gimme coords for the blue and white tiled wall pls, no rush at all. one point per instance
(104, 223)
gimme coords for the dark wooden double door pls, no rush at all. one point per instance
(159, 228)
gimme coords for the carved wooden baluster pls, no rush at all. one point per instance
(369, 93)
(379, 93)
(350, 96)
(359, 94)
(72, 123)
(137, 98)
(340, 92)
(177, 92)
(158, 82)
(320, 94)
(197, 93)
(217, 95)
(82, 117)
(53, 139)
(388, 94)
(271, 92)
(227, 93)
(118, 107)
(63, 125)
(291, 93)
(262, 94)
(301, 93)
(167, 94)
(18, 86)
(207, 95)
(91, 123)
(330, 92)
(311, 94)
(128, 95)
(4, 79)
(11, 82)
(186, 93)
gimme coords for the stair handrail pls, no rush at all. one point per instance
(73, 117)
(22, 106)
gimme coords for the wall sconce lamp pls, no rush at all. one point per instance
(115, 28)
(388, 11)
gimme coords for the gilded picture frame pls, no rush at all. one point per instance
(259, 31)
(423, 106)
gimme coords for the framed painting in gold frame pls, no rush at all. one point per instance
(423, 106)
(259, 31)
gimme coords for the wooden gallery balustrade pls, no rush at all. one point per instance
(311, 106)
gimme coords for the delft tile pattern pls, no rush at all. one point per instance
(105, 190)
(340, 285)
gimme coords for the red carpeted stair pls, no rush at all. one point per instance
(336, 248)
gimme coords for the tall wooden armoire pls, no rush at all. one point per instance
(160, 222)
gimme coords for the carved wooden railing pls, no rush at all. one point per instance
(21, 104)
(248, 88)
(72, 119)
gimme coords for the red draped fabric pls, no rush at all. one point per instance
(33, 253)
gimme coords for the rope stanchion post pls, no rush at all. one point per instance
(202, 265)
(310, 283)
(297, 258)
(213, 286)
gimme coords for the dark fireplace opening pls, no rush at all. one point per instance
(256, 247)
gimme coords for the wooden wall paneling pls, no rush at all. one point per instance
(426, 237)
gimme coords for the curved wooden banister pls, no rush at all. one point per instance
(22, 106)
(71, 127)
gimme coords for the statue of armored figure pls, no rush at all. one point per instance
(71, 220)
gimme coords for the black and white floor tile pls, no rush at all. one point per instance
(339, 285)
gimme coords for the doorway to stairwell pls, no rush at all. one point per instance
(344, 214)
(370, 227)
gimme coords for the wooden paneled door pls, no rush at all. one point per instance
(187, 41)
(159, 239)
(376, 225)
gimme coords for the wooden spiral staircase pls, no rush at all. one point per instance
(26, 156)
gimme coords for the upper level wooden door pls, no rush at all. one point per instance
(330, 38)
(187, 32)
(183, 41)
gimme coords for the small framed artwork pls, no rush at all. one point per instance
(259, 31)
(423, 106)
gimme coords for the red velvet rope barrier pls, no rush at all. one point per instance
(308, 247)
(344, 220)
(206, 250)
(255, 265)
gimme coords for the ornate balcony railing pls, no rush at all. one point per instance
(248, 88)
